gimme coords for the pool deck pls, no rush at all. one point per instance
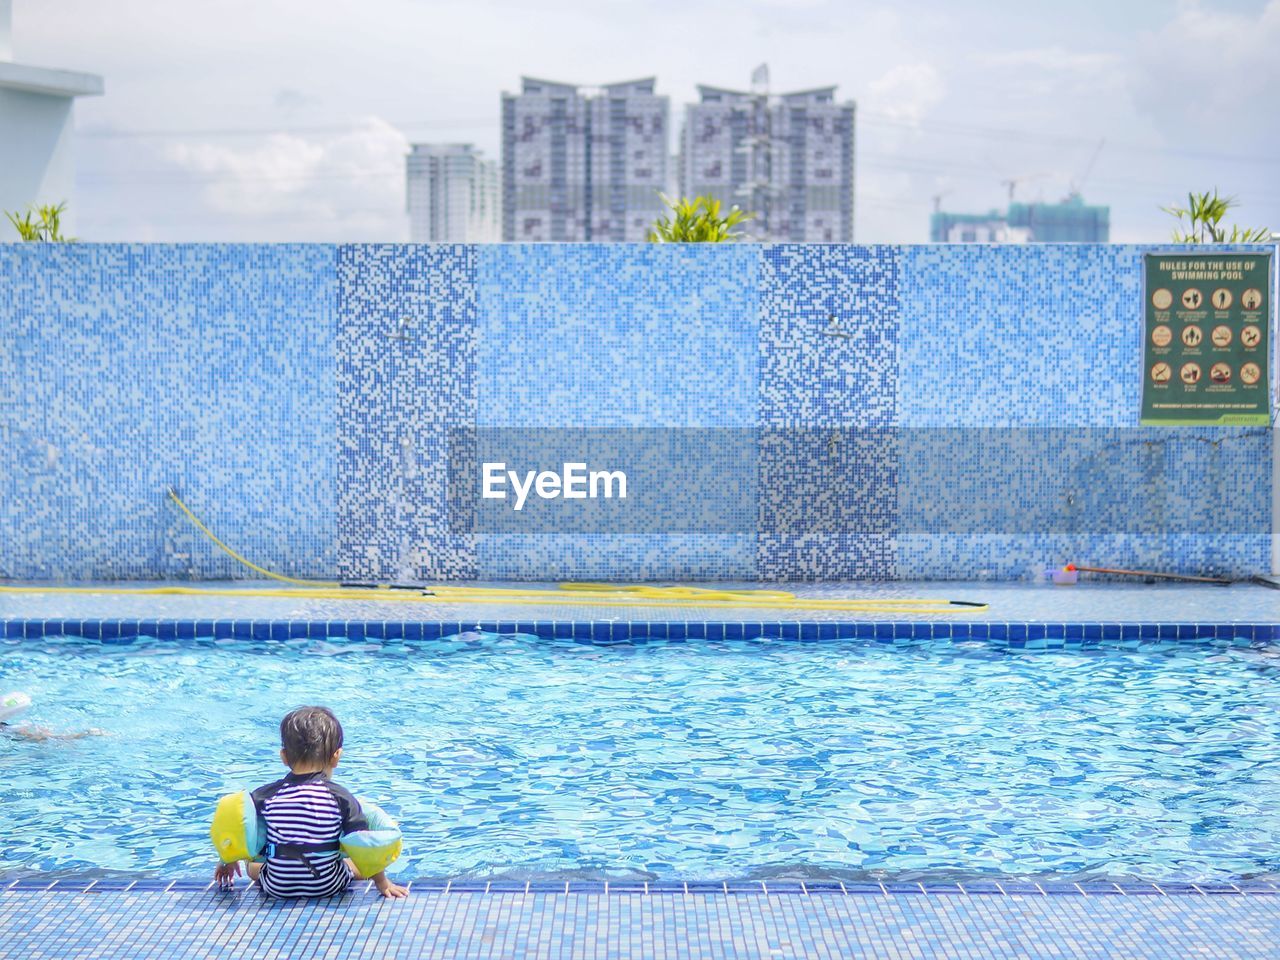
(1017, 611)
(702, 923)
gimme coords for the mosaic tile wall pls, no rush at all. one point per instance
(1050, 336)
(638, 336)
(125, 369)
(406, 365)
(305, 400)
(828, 349)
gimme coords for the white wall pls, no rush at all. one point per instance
(36, 152)
(6, 29)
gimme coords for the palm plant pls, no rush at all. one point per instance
(41, 224)
(1204, 213)
(697, 221)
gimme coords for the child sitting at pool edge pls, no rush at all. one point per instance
(305, 814)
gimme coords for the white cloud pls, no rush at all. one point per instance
(290, 100)
(908, 92)
(1055, 58)
(1047, 68)
(1209, 67)
(1032, 82)
(349, 184)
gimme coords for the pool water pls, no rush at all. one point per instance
(513, 757)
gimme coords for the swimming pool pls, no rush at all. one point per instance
(509, 756)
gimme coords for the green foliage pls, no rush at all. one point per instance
(697, 221)
(46, 229)
(1203, 215)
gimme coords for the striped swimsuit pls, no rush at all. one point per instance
(305, 816)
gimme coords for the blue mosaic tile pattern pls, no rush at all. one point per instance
(1016, 335)
(667, 340)
(1015, 557)
(828, 401)
(676, 921)
(406, 374)
(615, 558)
(601, 335)
(829, 336)
(1050, 335)
(1190, 501)
(128, 368)
(828, 506)
(300, 399)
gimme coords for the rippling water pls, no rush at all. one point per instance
(515, 757)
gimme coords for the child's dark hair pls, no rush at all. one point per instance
(310, 735)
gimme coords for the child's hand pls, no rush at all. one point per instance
(224, 874)
(388, 889)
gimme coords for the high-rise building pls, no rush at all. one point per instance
(1071, 221)
(36, 129)
(582, 163)
(452, 195)
(788, 159)
(990, 227)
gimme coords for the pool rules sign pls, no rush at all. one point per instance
(1207, 339)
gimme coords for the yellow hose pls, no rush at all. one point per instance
(653, 596)
(173, 495)
(566, 594)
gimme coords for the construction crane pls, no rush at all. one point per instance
(1012, 182)
(1078, 185)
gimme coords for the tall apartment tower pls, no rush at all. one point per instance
(452, 195)
(583, 163)
(787, 158)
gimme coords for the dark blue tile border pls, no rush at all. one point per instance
(1032, 636)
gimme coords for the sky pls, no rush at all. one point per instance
(288, 120)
